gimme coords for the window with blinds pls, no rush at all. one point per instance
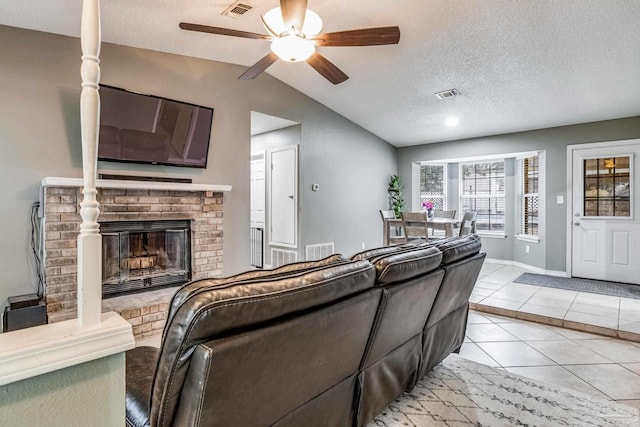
(482, 191)
(433, 185)
(529, 200)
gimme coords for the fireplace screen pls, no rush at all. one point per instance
(138, 255)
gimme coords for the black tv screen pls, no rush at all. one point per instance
(141, 128)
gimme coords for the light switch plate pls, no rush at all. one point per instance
(315, 187)
(560, 200)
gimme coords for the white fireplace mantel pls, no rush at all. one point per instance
(52, 181)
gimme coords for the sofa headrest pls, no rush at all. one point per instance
(246, 305)
(248, 302)
(288, 269)
(435, 242)
(370, 254)
(405, 265)
(458, 248)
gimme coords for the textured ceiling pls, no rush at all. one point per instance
(519, 65)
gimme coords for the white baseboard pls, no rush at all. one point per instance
(531, 268)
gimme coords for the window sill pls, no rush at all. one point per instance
(493, 235)
(527, 238)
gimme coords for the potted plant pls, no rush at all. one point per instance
(395, 195)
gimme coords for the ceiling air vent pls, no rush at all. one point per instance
(237, 9)
(447, 94)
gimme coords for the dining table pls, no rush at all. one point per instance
(445, 224)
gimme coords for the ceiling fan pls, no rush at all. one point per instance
(294, 33)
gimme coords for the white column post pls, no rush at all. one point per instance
(89, 240)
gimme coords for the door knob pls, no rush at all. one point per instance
(576, 223)
(291, 197)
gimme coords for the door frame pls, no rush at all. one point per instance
(296, 195)
(263, 154)
(570, 149)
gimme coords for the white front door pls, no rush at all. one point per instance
(605, 227)
(284, 196)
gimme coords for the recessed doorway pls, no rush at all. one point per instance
(274, 206)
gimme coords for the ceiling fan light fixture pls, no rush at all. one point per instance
(312, 23)
(293, 48)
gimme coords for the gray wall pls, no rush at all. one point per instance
(40, 136)
(551, 255)
(291, 135)
(88, 394)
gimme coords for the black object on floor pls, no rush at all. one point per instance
(24, 317)
(602, 287)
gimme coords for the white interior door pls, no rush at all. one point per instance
(284, 196)
(258, 188)
(605, 228)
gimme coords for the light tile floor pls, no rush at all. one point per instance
(496, 292)
(528, 343)
(589, 363)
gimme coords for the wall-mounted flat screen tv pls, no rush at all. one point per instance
(141, 128)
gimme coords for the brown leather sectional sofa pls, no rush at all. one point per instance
(322, 343)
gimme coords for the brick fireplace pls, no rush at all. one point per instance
(197, 205)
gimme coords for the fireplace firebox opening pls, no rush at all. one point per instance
(139, 256)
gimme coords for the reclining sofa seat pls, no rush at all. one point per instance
(409, 280)
(298, 334)
(441, 332)
(447, 322)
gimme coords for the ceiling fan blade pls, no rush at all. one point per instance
(259, 67)
(293, 12)
(363, 37)
(223, 31)
(327, 69)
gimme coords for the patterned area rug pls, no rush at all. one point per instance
(615, 289)
(459, 392)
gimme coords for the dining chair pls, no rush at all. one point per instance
(468, 223)
(392, 235)
(387, 214)
(415, 225)
(445, 214)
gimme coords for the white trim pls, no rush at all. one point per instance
(527, 238)
(41, 349)
(52, 181)
(532, 268)
(481, 158)
(492, 235)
